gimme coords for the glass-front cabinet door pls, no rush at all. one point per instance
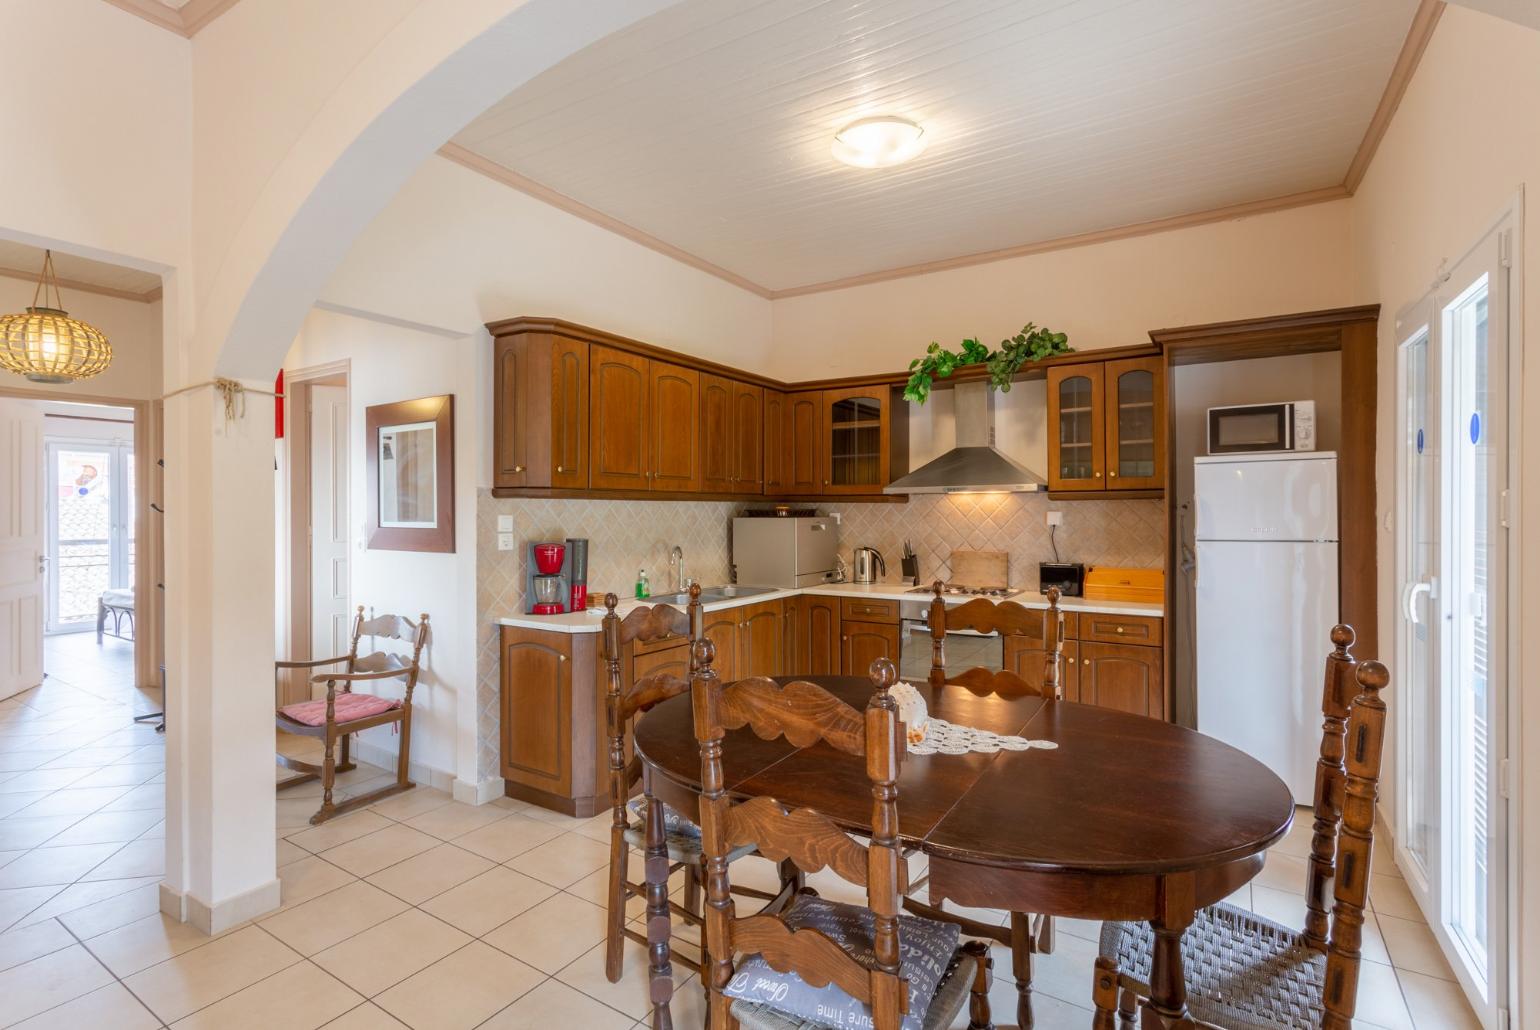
(855, 452)
(1076, 450)
(1136, 412)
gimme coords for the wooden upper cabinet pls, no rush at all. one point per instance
(716, 432)
(803, 443)
(569, 413)
(773, 442)
(1136, 423)
(674, 410)
(748, 420)
(1076, 424)
(1107, 425)
(619, 390)
(540, 414)
(856, 425)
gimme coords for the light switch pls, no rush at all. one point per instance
(505, 523)
(505, 541)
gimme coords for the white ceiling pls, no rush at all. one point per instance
(708, 125)
(19, 260)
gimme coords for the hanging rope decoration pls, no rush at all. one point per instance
(231, 390)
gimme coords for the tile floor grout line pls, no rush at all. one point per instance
(81, 941)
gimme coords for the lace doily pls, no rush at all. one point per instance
(945, 738)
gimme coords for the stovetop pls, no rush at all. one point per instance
(961, 590)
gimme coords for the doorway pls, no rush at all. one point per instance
(1458, 376)
(318, 488)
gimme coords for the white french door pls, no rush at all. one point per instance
(90, 528)
(1453, 461)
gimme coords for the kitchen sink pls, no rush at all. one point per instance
(709, 594)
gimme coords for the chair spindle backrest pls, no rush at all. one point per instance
(392, 627)
(806, 715)
(1330, 778)
(1365, 748)
(622, 704)
(983, 615)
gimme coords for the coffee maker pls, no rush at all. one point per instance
(547, 579)
(556, 577)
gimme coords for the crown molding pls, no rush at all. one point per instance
(1417, 37)
(508, 177)
(147, 297)
(186, 22)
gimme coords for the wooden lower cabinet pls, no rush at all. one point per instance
(762, 639)
(548, 713)
(862, 643)
(1028, 659)
(1123, 676)
(815, 648)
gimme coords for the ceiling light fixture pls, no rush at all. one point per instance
(879, 142)
(48, 346)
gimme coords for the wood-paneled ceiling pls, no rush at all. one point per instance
(705, 129)
(24, 261)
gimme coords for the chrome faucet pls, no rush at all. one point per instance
(681, 582)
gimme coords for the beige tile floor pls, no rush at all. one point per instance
(420, 911)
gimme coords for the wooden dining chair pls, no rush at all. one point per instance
(1246, 971)
(345, 711)
(669, 842)
(863, 957)
(1027, 935)
(983, 615)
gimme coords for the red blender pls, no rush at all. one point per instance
(548, 579)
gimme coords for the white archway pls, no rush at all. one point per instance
(435, 70)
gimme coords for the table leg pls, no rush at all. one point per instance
(1021, 967)
(1168, 988)
(660, 973)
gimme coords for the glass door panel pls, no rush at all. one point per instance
(80, 534)
(1419, 456)
(855, 443)
(1076, 422)
(1476, 467)
(1135, 410)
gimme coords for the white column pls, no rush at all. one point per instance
(220, 805)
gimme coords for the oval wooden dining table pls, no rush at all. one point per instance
(1128, 818)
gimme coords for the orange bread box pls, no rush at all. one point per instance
(1109, 584)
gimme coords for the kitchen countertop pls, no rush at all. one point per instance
(589, 621)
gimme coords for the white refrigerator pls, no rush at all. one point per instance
(1266, 534)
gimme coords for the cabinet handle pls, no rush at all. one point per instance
(1085, 661)
(560, 468)
(1119, 629)
(520, 468)
(561, 658)
(1098, 475)
(1113, 475)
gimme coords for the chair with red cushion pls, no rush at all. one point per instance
(342, 712)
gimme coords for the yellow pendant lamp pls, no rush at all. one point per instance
(45, 344)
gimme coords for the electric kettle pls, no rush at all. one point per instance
(869, 565)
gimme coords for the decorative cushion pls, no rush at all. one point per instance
(950, 998)
(925, 951)
(118, 598)
(674, 824)
(348, 707)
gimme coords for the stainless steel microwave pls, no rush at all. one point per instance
(1250, 428)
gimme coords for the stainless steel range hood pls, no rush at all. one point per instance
(973, 466)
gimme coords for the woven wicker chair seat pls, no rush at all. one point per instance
(950, 997)
(1243, 972)
(682, 847)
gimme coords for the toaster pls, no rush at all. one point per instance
(1068, 576)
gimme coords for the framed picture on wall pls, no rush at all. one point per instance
(410, 450)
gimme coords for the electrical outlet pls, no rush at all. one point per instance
(505, 523)
(1055, 518)
(505, 541)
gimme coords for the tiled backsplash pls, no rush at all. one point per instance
(627, 535)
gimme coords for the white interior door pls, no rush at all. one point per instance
(22, 555)
(329, 561)
(1453, 628)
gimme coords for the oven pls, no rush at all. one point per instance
(965, 648)
(1254, 428)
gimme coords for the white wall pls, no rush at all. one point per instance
(390, 363)
(457, 250)
(1103, 295)
(1197, 388)
(1463, 141)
